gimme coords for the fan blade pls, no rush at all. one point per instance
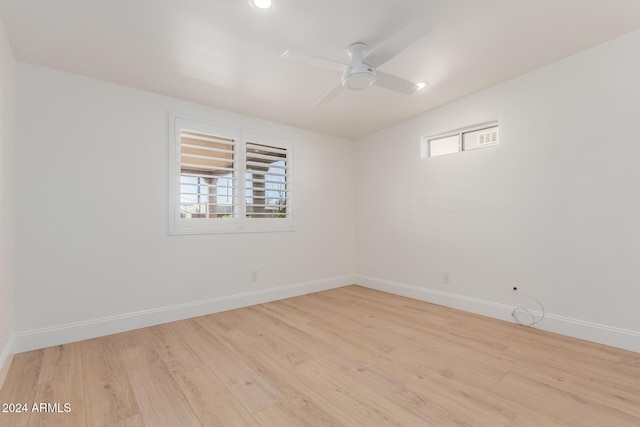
(314, 60)
(329, 96)
(396, 44)
(391, 82)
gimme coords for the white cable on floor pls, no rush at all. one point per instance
(522, 310)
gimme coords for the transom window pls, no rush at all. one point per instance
(470, 138)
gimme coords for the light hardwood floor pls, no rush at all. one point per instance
(344, 357)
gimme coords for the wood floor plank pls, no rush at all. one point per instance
(341, 320)
(279, 415)
(332, 332)
(20, 387)
(135, 421)
(434, 397)
(524, 420)
(256, 330)
(212, 402)
(247, 386)
(109, 397)
(405, 310)
(167, 343)
(61, 387)
(343, 357)
(354, 398)
(568, 408)
(428, 410)
(61, 361)
(593, 384)
(449, 365)
(153, 386)
(63, 402)
(296, 397)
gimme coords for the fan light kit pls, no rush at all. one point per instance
(261, 4)
(361, 73)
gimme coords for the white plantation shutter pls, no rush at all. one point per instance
(267, 181)
(207, 175)
(225, 180)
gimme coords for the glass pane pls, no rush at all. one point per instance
(193, 197)
(207, 164)
(266, 180)
(203, 197)
(446, 145)
(276, 190)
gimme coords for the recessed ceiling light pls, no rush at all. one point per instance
(422, 85)
(261, 4)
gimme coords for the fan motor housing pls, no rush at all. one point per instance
(358, 77)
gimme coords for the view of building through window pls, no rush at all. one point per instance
(208, 188)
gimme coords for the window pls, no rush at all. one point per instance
(227, 180)
(207, 175)
(444, 145)
(266, 181)
(470, 138)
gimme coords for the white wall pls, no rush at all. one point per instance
(554, 209)
(93, 254)
(7, 64)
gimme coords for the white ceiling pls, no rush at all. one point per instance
(226, 54)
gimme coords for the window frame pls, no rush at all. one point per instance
(238, 223)
(426, 147)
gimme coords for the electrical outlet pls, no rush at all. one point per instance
(254, 275)
(446, 278)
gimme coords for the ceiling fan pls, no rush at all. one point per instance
(361, 71)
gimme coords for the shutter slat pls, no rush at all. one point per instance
(212, 168)
(206, 148)
(269, 169)
(266, 165)
(259, 205)
(267, 214)
(207, 138)
(208, 157)
(195, 184)
(261, 184)
(200, 175)
(227, 196)
(207, 204)
(258, 156)
(255, 172)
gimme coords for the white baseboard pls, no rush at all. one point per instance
(71, 332)
(62, 334)
(6, 357)
(595, 332)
